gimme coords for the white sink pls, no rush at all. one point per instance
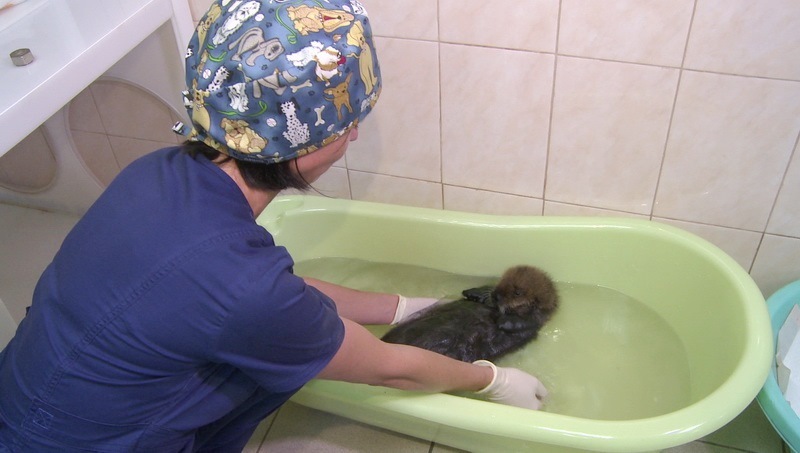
(12, 14)
(73, 42)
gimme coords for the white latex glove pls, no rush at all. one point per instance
(407, 306)
(513, 387)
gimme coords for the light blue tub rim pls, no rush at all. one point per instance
(770, 398)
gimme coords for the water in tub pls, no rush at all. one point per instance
(602, 356)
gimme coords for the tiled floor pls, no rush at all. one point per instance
(31, 238)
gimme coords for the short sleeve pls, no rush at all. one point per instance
(281, 332)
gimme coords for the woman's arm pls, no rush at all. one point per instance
(366, 307)
(362, 307)
(362, 358)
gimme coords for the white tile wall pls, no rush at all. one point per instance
(410, 19)
(390, 189)
(554, 208)
(685, 111)
(485, 202)
(784, 217)
(638, 31)
(517, 24)
(730, 143)
(495, 117)
(741, 245)
(609, 128)
(747, 38)
(410, 76)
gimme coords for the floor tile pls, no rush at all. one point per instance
(701, 447)
(254, 444)
(30, 240)
(750, 431)
(297, 428)
(439, 448)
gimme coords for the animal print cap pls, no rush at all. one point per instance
(272, 80)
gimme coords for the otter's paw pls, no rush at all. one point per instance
(482, 295)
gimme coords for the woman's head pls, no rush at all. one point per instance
(270, 81)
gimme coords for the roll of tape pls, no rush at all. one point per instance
(22, 57)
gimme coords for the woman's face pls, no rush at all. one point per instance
(313, 165)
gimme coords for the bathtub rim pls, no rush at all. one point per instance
(771, 399)
(689, 423)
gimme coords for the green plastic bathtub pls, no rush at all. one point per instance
(712, 305)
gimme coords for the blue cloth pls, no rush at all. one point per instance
(168, 321)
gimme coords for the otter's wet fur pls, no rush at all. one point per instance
(488, 323)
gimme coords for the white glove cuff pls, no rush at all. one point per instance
(494, 374)
(401, 308)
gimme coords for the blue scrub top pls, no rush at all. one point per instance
(166, 308)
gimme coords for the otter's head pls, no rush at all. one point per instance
(526, 292)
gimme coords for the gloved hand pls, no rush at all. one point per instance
(513, 387)
(407, 306)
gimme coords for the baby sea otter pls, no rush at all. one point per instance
(488, 323)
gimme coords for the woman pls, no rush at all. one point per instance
(169, 320)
